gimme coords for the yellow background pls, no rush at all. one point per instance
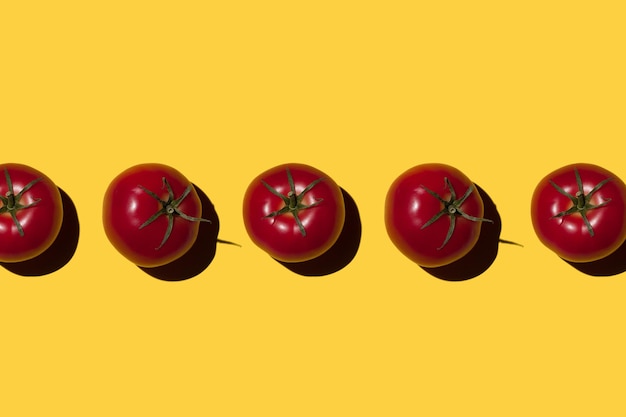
(504, 91)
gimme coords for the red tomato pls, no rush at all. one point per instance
(579, 212)
(433, 214)
(294, 212)
(151, 214)
(31, 212)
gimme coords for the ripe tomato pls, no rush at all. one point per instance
(433, 214)
(294, 212)
(151, 214)
(579, 212)
(31, 212)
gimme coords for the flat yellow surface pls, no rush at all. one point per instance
(504, 91)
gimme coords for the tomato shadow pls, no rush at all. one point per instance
(343, 250)
(61, 250)
(482, 255)
(614, 264)
(201, 254)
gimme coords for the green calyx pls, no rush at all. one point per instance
(581, 202)
(451, 208)
(169, 209)
(293, 201)
(11, 201)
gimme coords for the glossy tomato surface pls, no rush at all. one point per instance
(36, 203)
(564, 198)
(409, 207)
(131, 201)
(275, 229)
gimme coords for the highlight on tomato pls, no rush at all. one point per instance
(579, 212)
(434, 214)
(31, 212)
(294, 212)
(151, 214)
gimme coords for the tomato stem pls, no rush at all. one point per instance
(451, 208)
(228, 242)
(510, 242)
(170, 209)
(293, 201)
(581, 202)
(11, 201)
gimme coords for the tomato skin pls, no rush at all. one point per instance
(568, 236)
(408, 207)
(127, 206)
(280, 236)
(41, 222)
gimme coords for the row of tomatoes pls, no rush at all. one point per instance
(433, 213)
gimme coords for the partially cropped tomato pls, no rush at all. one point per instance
(433, 214)
(31, 212)
(151, 214)
(579, 212)
(294, 212)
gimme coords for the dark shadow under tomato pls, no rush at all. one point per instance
(482, 255)
(61, 250)
(614, 264)
(341, 253)
(201, 254)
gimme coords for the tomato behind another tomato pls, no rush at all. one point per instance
(275, 229)
(565, 197)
